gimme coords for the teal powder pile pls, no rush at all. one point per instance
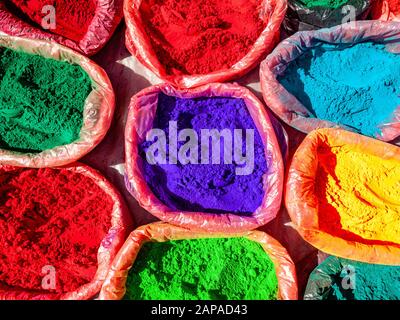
(41, 101)
(358, 86)
(202, 269)
(369, 281)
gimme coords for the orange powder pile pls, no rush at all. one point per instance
(358, 195)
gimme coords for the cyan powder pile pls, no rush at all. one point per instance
(41, 101)
(215, 188)
(352, 280)
(206, 269)
(357, 86)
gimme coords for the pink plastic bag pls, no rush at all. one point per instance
(140, 120)
(121, 225)
(139, 45)
(114, 285)
(293, 112)
(97, 114)
(108, 15)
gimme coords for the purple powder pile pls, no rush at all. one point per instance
(212, 188)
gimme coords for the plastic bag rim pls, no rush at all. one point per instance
(227, 222)
(135, 35)
(102, 87)
(302, 119)
(304, 215)
(121, 223)
(162, 232)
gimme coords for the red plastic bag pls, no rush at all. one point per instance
(114, 286)
(121, 225)
(140, 121)
(107, 17)
(386, 10)
(97, 114)
(138, 43)
(303, 205)
(293, 112)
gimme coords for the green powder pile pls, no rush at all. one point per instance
(41, 101)
(329, 4)
(202, 269)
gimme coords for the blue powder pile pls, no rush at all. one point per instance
(212, 188)
(358, 86)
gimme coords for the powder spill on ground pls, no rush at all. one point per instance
(358, 194)
(50, 217)
(72, 17)
(227, 269)
(357, 86)
(198, 37)
(41, 101)
(206, 187)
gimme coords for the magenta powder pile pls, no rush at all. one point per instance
(211, 188)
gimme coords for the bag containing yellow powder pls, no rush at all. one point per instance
(343, 196)
(161, 261)
(55, 104)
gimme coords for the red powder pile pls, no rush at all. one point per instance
(73, 17)
(199, 37)
(50, 217)
(394, 6)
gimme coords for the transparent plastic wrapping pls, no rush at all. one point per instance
(140, 120)
(138, 43)
(108, 15)
(302, 203)
(300, 18)
(97, 113)
(292, 111)
(114, 286)
(121, 226)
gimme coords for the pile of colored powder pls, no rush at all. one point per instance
(50, 217)
(394, 6)
(357, 86)
(72, 17)
(202, 269)
(41, 101)
(358, 194)
(329, 4)
(352, 280)
(214, 188)
(198, 37)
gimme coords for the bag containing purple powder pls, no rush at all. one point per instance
(205, 158)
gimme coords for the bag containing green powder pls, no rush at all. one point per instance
(315, 14)
(114, 287)
(55, 104)
(330, 97)
(162, 202)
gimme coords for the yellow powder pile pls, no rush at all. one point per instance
(358, 194)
